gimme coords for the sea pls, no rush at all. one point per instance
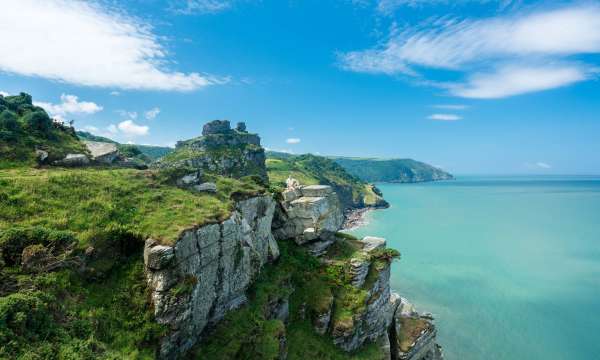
(508, 265)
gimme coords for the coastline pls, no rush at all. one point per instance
(356, 218)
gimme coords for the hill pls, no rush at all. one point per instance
(312, 169)
(391, 170)
(151, 152)
(27, 132)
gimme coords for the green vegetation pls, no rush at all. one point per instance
(90, 201)
(311, 169)
(25, 128)
(71, 269)
(391, 170)
(250, 333)
(411, 328)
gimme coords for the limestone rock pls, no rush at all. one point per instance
(102, 152)
(307, 218)
(41, 155)
(224, 258)
(241, 126)
(322, 320)
(73, 160)
(216, 127)
(206, 187)
(371, 243)
(421, 344)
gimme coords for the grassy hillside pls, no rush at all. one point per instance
(71, 269)
(311, 169)
(391, 170)
(148, 153)
(25, 128)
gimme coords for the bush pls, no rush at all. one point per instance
(16, 102)
(14, 240)
(8, 120)
(37, 121)
(24, 317)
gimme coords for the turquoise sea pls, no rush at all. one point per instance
(509, 266)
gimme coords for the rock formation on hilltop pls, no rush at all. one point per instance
(220, 150)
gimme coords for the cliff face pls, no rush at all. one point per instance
(206, 273)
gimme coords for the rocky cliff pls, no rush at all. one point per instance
(206, 273)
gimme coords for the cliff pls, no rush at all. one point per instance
(391, 170)
(353, 192)
(183, 261)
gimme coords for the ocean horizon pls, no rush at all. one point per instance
(508, 265)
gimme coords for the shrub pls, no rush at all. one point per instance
(37, 121)
(8, 120)
(14, 240)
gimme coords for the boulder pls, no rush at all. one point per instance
(102, 152)
(73, 160)
(316, 190)
(41, 155)
(157, 256)
(206, 187)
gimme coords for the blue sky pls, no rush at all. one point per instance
(471, 86)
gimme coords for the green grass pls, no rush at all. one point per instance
(92, 200)
(390, 170)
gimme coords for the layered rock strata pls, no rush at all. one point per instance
(207, 271)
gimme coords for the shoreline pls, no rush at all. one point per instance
(355, 218)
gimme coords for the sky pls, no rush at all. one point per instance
(473, 87)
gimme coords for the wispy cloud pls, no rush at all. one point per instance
(84, 43)
(152, 113)
(543, 165)
(451, 106)
(389, 6)
(127, 114)
(444, 117)
(513, 49)
(292, 141)
(188, 7)
(4, 93)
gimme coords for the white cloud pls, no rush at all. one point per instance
(502, 49)
(4, 93)
(129, 128)
(451, 107)
(292, 141)
(83, 43)
(389, 6)
(127, 114)
(115, 93)
(152, 113)
(511, 81)
(200, 6)
(91, 129)
(543, 165)
(69, 104)
(444, 117)
(112, 129)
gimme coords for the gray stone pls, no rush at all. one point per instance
(216, 127)
(225, 258)
(307, 218)
(316, 190)
(190, 179)
(157, 256)
(241, 126)
(102, 151)
(41, 155)
(73, 160)
(371, 243)
(206, 187)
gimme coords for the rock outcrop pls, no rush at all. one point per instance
(413, 335)
(207, 271)
(308, 214)
(102, 152)
(220, 150)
